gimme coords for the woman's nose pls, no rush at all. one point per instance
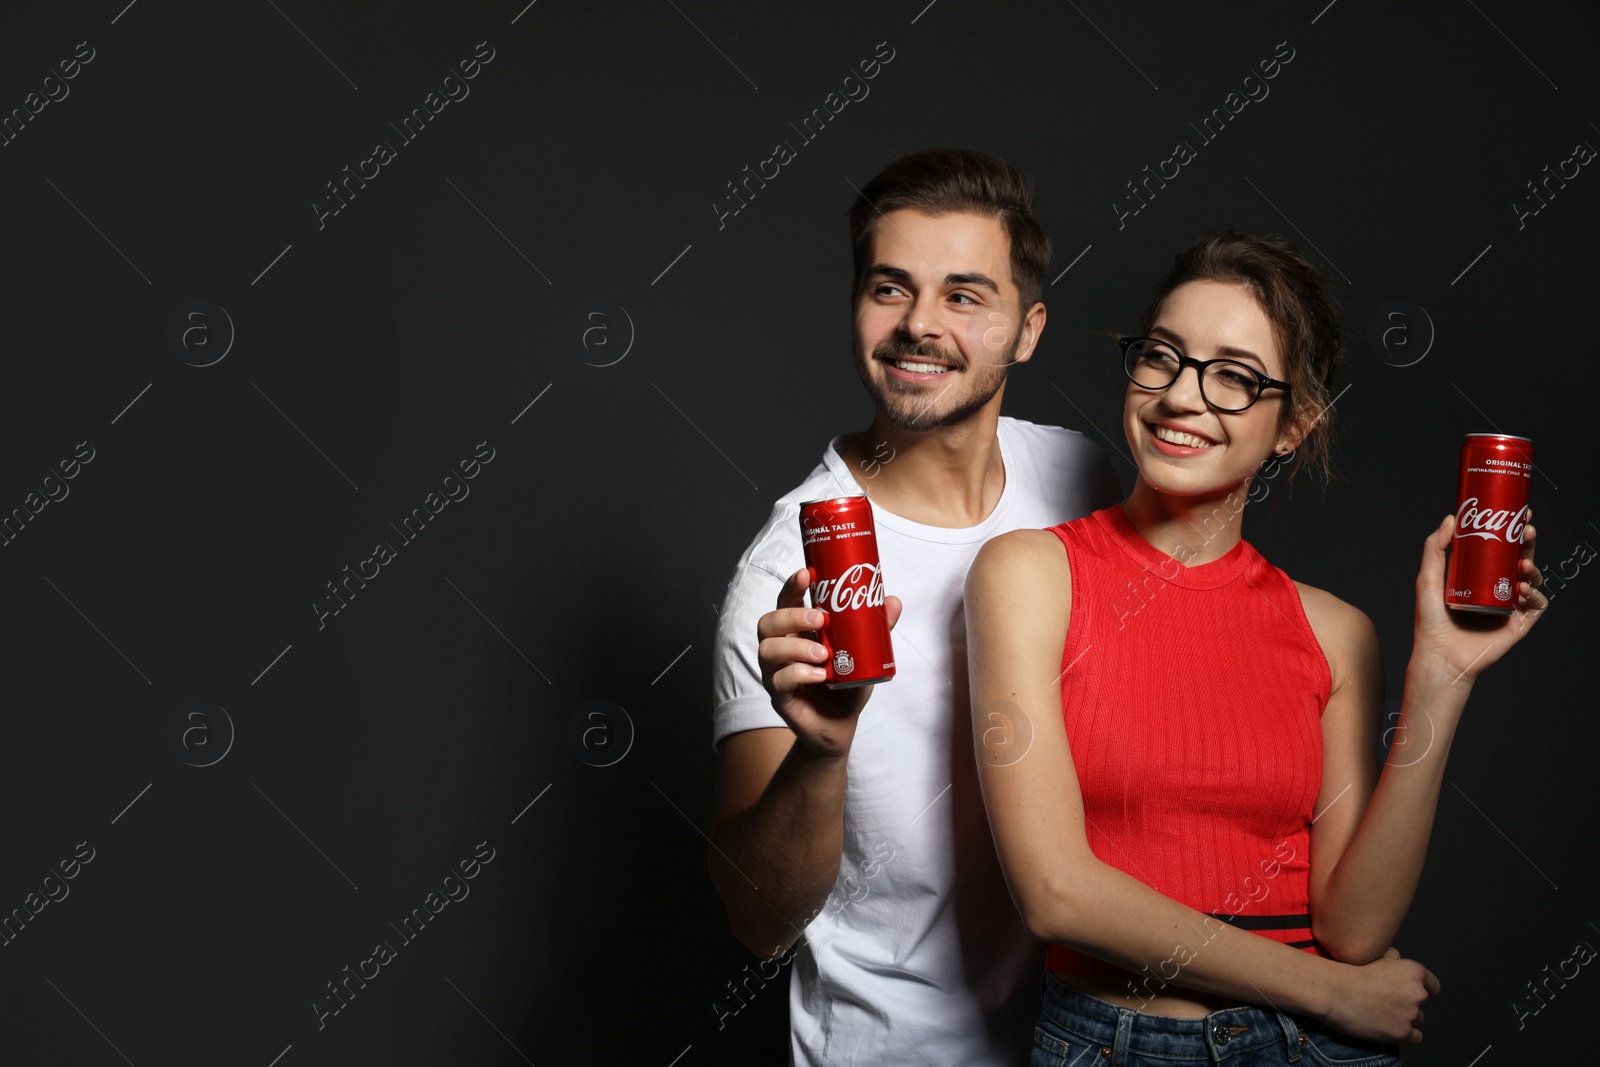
(1185, 393)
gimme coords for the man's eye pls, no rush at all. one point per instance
(889, 290)
(964, 297)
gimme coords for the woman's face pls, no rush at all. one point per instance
(1182, 445)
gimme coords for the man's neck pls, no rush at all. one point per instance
(950, 477)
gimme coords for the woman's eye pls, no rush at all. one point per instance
(1240, 378)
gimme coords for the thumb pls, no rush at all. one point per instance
(891, 609)
(1391, 953)
(793, 593)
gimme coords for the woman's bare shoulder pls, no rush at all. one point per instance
(1021, 553)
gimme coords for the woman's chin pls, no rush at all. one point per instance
(1188, 484)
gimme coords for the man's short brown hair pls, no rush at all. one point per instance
(945, 181)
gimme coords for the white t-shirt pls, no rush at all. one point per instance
(918, 956)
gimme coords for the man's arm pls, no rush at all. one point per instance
(777, 830)
(777, 824)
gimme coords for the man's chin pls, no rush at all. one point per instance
(917, 408)
(920, 418)
(912, 423)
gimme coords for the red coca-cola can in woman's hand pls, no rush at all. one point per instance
(1491, 510)
(841, 545)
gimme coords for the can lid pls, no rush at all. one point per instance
(1503, 436)
(824, 500)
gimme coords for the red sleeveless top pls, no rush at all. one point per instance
(1193, 698)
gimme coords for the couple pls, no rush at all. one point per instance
(1162, 745)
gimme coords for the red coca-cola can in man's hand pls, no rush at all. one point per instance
(1491, 510)
(841, 545)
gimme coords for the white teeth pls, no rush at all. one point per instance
(920, 368)
(1188, 440)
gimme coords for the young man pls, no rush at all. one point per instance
(854, 843)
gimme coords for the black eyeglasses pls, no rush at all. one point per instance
(1225, 384)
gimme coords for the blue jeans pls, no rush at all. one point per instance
(1077, 1030)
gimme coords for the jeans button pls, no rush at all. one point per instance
(1223, 1034)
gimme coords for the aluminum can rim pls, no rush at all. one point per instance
(847, 496)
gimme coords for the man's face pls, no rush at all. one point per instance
(937, 322)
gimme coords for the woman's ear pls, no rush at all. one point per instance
(1290, 435)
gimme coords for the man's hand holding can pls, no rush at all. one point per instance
(794, 672)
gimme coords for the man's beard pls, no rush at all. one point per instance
(911, 411)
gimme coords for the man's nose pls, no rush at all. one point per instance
(922, 317)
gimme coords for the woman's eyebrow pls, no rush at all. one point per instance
(1226, 350)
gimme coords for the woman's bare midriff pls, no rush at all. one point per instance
(1173, 1002)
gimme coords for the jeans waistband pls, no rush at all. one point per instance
(1219, 1036)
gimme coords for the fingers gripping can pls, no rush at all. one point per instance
(1491, 510)
(841, 546)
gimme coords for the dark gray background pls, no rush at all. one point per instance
(585, 564)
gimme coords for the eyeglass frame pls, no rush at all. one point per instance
(1263, 382)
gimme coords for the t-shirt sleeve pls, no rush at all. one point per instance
(739, 700)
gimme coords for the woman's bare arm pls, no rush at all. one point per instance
(1369, 842)
(1018, 605)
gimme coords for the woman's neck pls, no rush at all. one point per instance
(1191, 529)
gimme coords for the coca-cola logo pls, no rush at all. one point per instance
(859, 587)
(1490, 523)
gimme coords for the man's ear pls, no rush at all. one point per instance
(1028, 334)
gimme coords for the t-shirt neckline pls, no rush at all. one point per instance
(957, 535)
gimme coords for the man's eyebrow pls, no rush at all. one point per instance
(973, 278)
(900, 274)
(1226, 350)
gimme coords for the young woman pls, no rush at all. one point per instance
(1177, 742)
